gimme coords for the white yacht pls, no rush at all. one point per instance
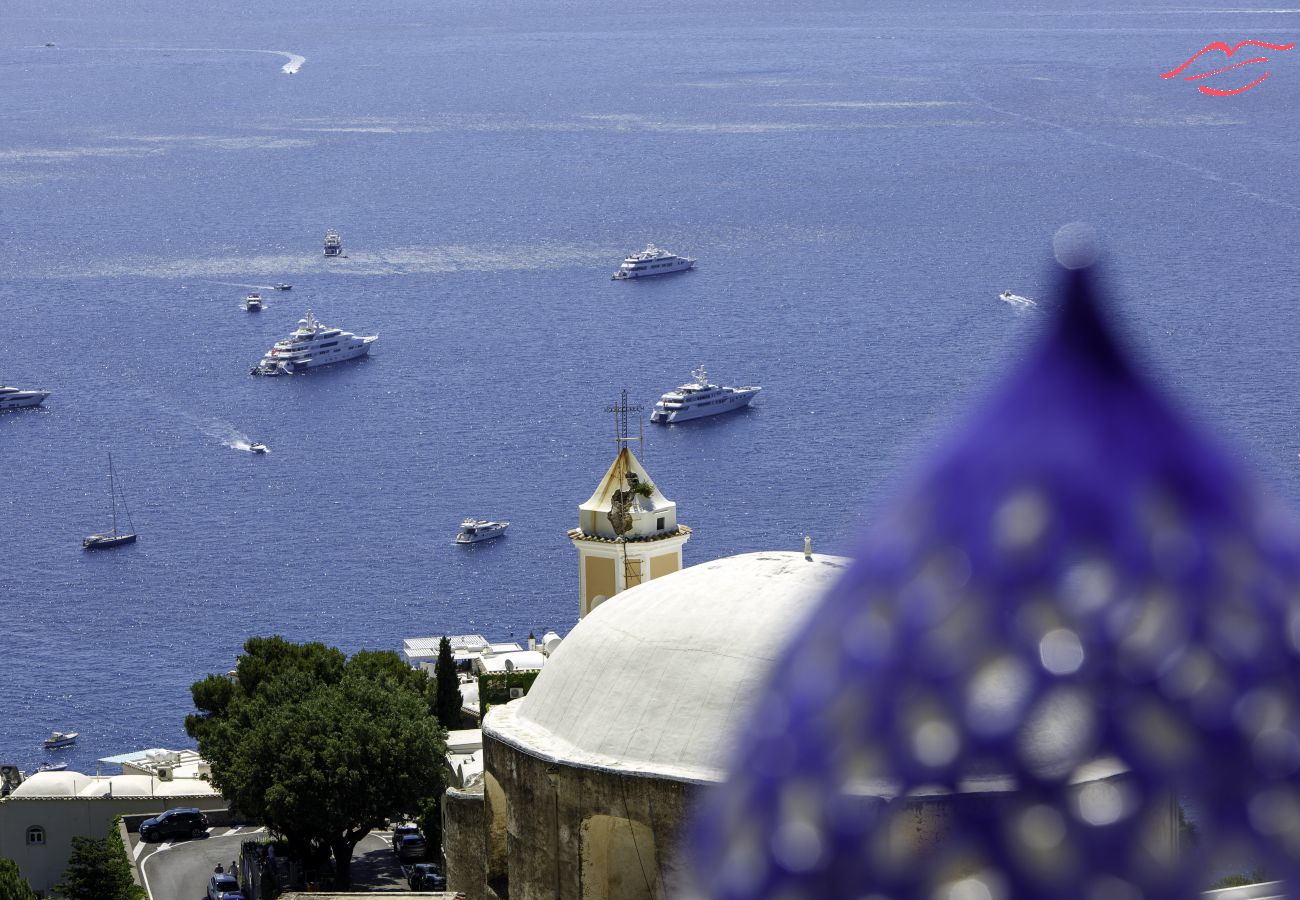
(311, 345)
(333, 243)
(652, 261)
(697, 399)
(253, 302)
(14, 398)
(474, 530)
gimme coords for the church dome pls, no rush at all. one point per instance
(655, 680)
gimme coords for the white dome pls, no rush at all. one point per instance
(52, 784)
(654, 680)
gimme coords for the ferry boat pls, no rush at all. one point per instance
(60, 739)
(474, 530)
(333, 243)
(652, 261)
(697, 399)
(312, 345)
(253, 303)
(15, 398)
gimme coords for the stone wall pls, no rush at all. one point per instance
(586, 834)
(464, 840)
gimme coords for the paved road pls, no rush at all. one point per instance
(181, 871)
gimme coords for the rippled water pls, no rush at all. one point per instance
(859, 185)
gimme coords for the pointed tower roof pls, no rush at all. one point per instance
(652, 516)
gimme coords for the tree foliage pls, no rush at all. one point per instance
(98, 869)
(320, 747)
(12, 885)
(448, 700)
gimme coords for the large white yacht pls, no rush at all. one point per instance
(652, 261)
(697, 399)
(13, 398)
(333, 243)
(311, 345)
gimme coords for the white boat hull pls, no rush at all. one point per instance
(737, 400)
(659, 268)
(23, 400)
(482, 532)
(274, 365)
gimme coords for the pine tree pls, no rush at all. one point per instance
(448, 701)
(12, 885)
(99, 870)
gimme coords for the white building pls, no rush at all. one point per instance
(43, 814)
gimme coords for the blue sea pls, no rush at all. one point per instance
(858, 180)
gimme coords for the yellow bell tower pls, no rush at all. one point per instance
(627, 533)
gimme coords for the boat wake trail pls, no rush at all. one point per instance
(291, 67)
(1017, 301)
(239, 284)
(222, 432)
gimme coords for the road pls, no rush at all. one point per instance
(180, 871)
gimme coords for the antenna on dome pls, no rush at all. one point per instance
(620, 411)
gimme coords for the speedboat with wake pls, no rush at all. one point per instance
(258, 448)
(312, 344)
(698, 398)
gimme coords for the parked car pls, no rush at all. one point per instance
(426, 877)
(402, 830)
(224, 887)
(181, 822)
(411, 846)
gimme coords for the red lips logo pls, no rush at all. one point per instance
(1222, 47)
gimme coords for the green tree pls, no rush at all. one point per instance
(321, 747)
(98, 869)
(12, 885)
(447, 701)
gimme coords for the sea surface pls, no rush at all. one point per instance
(859, 181)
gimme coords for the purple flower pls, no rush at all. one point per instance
(1080, 625)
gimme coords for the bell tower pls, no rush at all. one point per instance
(627, 530)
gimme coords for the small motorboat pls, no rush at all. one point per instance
(253, 303)
(1006, 296)
(257, 448)
(283, 287)
(59, 739)
(52, 767)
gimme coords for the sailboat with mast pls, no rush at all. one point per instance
(113, 538)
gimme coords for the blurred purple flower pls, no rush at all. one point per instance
(1081, 618)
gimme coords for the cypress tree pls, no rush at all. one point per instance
(447, 701)
(98, 870)
(12, 885)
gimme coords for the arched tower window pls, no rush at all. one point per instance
(35, 836)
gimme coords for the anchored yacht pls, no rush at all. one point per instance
(697, 399)
(311, 345)
(474, 530)
(333, 243)
(652, 261)
(14, 398)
